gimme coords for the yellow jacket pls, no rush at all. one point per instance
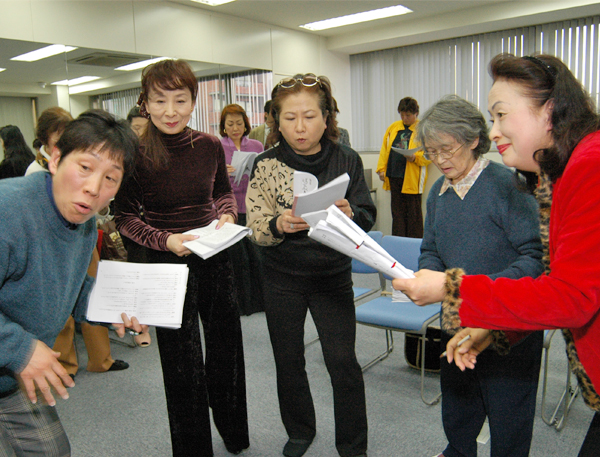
(415, 174)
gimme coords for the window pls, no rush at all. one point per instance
(459, 66)
(249, 89)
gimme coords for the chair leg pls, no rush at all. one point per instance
(565, 402)
(389, 339)
(436, 399)
(122, 341)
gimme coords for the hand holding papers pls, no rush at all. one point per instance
(211, 241)
(243, 163)
(334, 229)
(406, 152)
(308, 198)
(154, 293)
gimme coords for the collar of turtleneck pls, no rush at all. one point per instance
(183, 138)
(314, 163)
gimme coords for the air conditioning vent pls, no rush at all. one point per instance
(105, 59)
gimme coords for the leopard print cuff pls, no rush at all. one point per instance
(452, 301)
(450, 311)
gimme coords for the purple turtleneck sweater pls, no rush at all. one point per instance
(191, 192)
(240, 190)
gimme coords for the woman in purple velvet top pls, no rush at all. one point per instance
(234, 129)
(180, 183)
(245, 256)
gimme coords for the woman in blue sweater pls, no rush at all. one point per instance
(478, 220)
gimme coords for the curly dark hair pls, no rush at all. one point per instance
(545, 78)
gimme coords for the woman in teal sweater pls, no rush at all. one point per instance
(479, 221)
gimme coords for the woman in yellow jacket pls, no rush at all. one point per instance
(404, 176)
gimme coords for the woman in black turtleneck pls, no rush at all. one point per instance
(302, 274)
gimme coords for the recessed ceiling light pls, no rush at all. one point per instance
(213, 2)
(42, 53)
(75, 81)
(142, 64)
(358, 17)
(2, 69)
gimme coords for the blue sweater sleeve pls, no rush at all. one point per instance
(17, 344)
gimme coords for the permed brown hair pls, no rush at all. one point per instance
(326, 104)
(165, 75)
(52, 120)
(234, 109)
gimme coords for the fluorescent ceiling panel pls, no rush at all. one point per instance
(42, 53)
(75, 81)
(142, 64)
(2, 69)
(213, 2)
(358, 17)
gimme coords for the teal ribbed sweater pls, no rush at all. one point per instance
(43, 271)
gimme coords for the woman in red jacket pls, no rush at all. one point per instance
(545, 126)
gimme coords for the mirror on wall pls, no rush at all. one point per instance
(27, 88)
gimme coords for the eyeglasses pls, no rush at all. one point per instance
(442, 154)
(306, 80)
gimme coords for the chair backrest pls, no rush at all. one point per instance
(357, 265)
(404, 250)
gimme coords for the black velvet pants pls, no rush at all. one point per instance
(335, 319)
(192, 385)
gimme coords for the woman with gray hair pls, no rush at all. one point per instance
(479, 221)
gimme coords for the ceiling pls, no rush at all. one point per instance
(292, 13)
(429, 20)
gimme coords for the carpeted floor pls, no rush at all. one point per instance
(124, 413)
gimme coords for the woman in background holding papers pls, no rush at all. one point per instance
(301, 274)
(234, 129)
(479, 221)
(181, 183)
(545, 124)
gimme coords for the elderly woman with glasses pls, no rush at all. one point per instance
(302, 274)
(479, 221)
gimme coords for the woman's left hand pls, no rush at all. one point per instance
(344, 206)
(225, 218)
(465, 355)
(230, 169)
(425, 288)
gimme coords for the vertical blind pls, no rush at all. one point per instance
(428, 71)
(249, 89)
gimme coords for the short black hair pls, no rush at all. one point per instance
(99, 128)
(408, 105)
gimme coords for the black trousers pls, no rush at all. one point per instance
(335, 319)
(407, 216)
(192, 385)
(591, 444)
(248, 273)
(503, 388)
